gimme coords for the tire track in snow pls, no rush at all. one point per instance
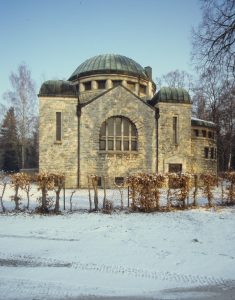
(37, 237)
(199, 280)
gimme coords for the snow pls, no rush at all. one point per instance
(122, 254)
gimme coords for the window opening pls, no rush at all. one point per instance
(118, 134)
(131, 85)
(119, 180)
(58, 126)
(87, 85)
(206, 152)
(101, 84)
(142, 89)
(175, 168)
(204, 133)
(99, 182)
(175, 130)
(116, 82)
(212, 153)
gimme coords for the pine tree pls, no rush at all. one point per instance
(9, 143)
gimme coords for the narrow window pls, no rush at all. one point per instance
(58, 126)
(142, 89)
(212, 153)
(206, 152)
(175, 130)
(99, 182)
(209, 134)
(215, 153)
(204, 133)
(196, 132)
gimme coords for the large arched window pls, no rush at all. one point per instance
(118, 134)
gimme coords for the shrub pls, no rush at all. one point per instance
(209, 182)
(144, 191)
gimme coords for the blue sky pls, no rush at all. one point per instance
(53, 37)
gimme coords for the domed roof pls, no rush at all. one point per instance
(109, 64)
(58, 88)
(170, 94)
(203, 123)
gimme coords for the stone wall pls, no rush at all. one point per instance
(169, 151)
(116, 102)
(56, 156)
(62, 156)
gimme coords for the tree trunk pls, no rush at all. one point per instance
(89, 191)
(16, 198)
(57, 201)
(3, 191)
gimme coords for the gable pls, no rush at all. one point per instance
(119, 92)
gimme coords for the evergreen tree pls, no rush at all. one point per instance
(9, 142)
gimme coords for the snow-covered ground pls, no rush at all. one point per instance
(122, 254)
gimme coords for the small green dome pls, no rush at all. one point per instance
(109, 64)
(170, 94)
(58, 88)
(202, 123)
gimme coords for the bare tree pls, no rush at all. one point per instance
(227, 126)
(176, 79)
(214, 39)
(207, 94)
(24, 100)
(214, 100)
(3, 111)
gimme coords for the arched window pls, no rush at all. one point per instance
(118, 134)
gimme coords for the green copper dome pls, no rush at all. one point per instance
(170, 94)
(203, 123)
(109, 64)
(62, 88)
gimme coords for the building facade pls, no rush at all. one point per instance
(108, 120)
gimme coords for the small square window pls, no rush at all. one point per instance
(101, 84)
(175, 168)
(87, 85)
(116, 83)
(119, 180)
(131, 85)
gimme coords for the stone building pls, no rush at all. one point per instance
(108, 120)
